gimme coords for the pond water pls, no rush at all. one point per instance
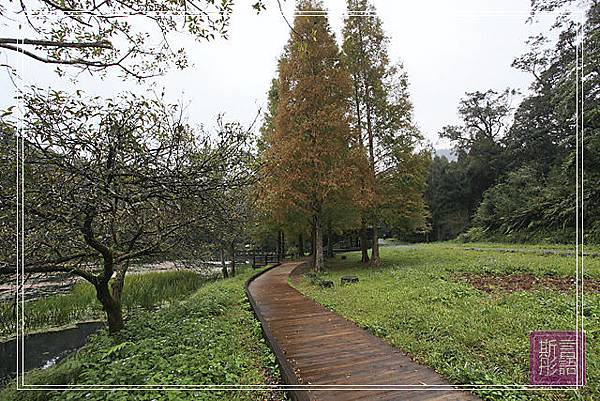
(44, 285)
(43, 350)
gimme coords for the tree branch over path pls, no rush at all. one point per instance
(94, 36)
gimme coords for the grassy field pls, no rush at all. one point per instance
(211, 338)
(146, 290)
(528, 247)
(420, 300)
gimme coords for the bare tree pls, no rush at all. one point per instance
(109, 181)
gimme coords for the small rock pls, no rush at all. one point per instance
(349, 279)
(326, 284)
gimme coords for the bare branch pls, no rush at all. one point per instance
(51, 43)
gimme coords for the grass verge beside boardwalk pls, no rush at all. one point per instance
(210, 339)
(416, 302)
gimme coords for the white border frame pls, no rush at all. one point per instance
(20, 379)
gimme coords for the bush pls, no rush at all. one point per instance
(525, 207)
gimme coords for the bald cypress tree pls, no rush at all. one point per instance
(382, 117)
(311, 157)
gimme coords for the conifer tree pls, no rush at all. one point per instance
(310, 155)
(382, 116)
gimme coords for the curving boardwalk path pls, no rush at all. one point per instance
(318, 347)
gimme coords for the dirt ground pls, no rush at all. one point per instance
(524, 282)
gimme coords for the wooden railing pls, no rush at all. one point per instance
(262, 258)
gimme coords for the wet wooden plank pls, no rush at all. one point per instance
(322, 348)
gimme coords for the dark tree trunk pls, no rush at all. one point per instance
(300, 245)
(312, 241)
(111, 303)
(364, 243)
(282, 255)
(111, 306)
(318, 252)
(329, 242)
(232, 258)
(114, 317)
(375, 260)
(223, 265)
(278, 250)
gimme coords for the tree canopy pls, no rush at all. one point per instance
(526, 173)
(382, 116)
(311, 151)
(109, 181)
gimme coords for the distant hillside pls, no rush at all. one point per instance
(449, 153)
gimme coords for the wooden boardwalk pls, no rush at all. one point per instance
(318, 347)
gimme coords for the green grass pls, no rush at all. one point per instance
(212, 338)
(529, 247)
(141, 291)
(468, 336)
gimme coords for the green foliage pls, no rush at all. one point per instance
(529, 173)
(535, 199)
(211, 339)
(455, 189)
(513, 204)
(415, 303)
(484, 117)
(545, 236)
(382, 118)
(141, 291)
(447, 197)
(112, 180)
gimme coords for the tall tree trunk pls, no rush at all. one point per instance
(364, 243)
(114, 316)
(282, 256)
(232, 258)
(375, 260)
(318, 257)
(278, 246)
(371, 147)
(312, 241)
(300, 245)
(329, 242)
(223, 265)
(112, 307)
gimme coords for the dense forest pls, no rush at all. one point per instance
(514, 177)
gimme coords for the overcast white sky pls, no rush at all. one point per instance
(447, 47)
